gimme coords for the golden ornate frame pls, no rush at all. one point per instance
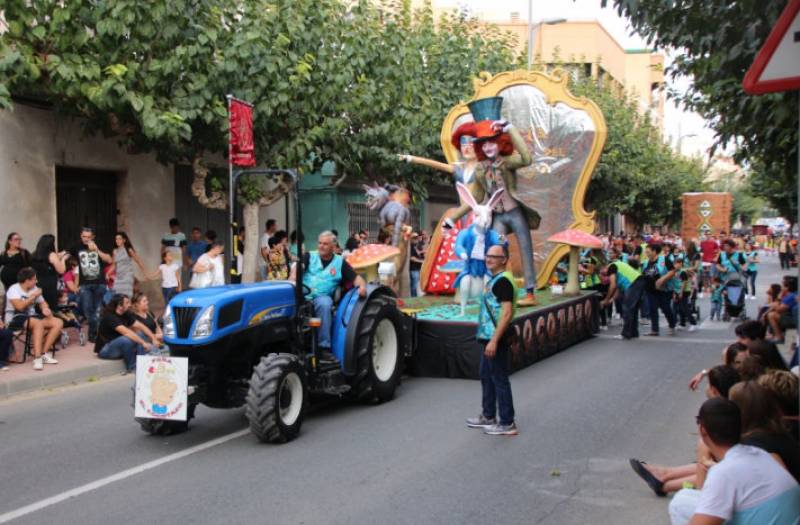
(555, 88)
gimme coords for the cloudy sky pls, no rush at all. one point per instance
(697, 138)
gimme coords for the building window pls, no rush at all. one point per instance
(360, 217)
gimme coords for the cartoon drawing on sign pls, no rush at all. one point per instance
(162, 390)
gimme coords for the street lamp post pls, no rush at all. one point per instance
(531, 25)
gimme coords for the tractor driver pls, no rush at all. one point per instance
(323, 272)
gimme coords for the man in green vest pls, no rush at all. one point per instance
(497, 312)
(622, 276)
(323, 272)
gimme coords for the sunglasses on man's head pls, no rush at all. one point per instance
(495, 256)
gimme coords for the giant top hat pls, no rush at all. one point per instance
(485, 111)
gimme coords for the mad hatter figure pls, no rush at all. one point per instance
(502, 151)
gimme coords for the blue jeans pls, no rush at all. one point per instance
(414, 278)
(630, 308)
(716, 309)
(751, 280)
(515, 221)
(323, 308)
(659, 300)
(90, 298)
(495, 386)
(122, 348)
(168, 293)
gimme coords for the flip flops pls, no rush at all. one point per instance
(652, 481)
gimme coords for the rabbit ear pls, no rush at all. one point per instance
(466, 195)
(495, 198)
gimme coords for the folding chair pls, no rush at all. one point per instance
(19, 327)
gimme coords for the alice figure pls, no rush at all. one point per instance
(464, 171)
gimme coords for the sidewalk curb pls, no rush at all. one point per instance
(50, 377)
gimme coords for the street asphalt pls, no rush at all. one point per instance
(75, 455)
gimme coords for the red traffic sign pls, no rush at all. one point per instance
(777, 65)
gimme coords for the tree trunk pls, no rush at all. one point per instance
(252, 248)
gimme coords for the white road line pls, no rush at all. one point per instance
(664, 338)
(119, 476)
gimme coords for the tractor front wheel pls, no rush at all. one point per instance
(276, 399)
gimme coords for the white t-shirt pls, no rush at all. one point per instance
(169, 278)
(746, 486)
(218, 271)
(16, 292)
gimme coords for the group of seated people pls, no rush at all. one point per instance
(127, 327)
(747, 466)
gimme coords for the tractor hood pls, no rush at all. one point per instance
(199, 317)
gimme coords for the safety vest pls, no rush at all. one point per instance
(485, 325)
(590, 279)
(626, 274)
(751, 266)
(661, 265)
(322, 281)
(731, 264)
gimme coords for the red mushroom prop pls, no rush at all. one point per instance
(575, 239)
(367, 258)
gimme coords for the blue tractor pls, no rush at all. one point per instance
(253, 345)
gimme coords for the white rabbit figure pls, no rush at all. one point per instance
(473, 243)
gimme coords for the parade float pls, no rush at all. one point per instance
(548, 143)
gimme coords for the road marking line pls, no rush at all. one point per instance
(119, 476)
(668, 339)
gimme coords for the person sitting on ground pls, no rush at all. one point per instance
(768, 353)
(783, 316)
(762, 425)
(735, 354)
(663, 480)
(140, 311)
(773, 297)
(746, 486)
(21, 302)
(120, 336)
(751, 368)
(785, 388)
(323, 272)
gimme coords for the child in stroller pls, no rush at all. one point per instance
(68, 312)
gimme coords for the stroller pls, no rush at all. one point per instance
(734, 294)
(69, 313)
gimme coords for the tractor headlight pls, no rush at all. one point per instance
(169, 323)
(203, 325)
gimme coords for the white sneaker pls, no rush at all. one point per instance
(46, 359)
(692, 328)
(603, 327)
(37, 364)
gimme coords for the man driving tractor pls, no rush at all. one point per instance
(323, 272)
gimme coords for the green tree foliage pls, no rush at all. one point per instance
(716, 41)
(747, 207)
(637, 175)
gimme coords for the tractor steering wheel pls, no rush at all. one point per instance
(306, 290)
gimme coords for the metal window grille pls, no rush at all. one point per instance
(360, 217)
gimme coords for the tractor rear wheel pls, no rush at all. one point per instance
(276, 399)
(379, 351)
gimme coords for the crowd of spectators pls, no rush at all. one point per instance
(747, 460)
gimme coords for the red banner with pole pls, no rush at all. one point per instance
(242, 151)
